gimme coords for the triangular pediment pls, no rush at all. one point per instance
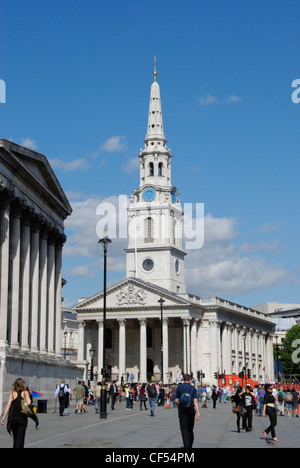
(132, 293)
(35, 170)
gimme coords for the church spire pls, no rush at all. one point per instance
(155, 72)
(155, 130)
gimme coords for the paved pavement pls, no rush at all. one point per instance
(125, 429)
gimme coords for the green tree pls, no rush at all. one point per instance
(289, 353)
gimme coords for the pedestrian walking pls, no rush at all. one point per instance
(17, 420)
(143, 397)
(187, 404)
(61, 393)
(237, 407)
(97, 397)
(260, 395)
(214, 397)
(152, 394)
(269, 410)
(79, 393)
(281, 397)
(113, 392)
(249, 404)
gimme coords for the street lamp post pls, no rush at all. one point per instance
(92, 355)
(65, 350)
(103, 400)
(161, 302)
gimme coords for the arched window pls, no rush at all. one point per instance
(149, 230)
(160, 169)
(151, 169)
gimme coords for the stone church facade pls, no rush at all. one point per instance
(189, 333)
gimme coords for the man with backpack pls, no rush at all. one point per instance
(61, 392)
(152, 394)
(187, 403)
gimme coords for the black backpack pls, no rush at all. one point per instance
(61, 392)
(152, 392)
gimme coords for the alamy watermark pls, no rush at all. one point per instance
(152, 223)
(296, 93)
(2, 92)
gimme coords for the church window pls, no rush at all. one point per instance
(160, 169)
(149, 230)
(148, 264)
(151, 169)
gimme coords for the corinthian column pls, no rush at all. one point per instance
(122, 348)
(35, 283)
(25, 279)
(143, 350)
(4, 263)
(51, 293)
(15, 245)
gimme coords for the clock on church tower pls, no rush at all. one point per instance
(155, 216)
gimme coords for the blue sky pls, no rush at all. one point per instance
(78, 77)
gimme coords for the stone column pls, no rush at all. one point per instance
(122, 349)
(58, 293)
(100, 346)
(25, 281)
(215, 347)
(194, 353)
(165, 349)
(35, 283)
(43, 289)
(15, 246)
(4, 263)
(51, 292)
(143, 350)
(81, 341)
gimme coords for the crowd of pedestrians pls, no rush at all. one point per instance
(262, 401)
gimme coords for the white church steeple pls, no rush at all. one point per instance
(155, 215)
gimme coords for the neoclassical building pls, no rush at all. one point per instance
(189, 333)
(33, 208)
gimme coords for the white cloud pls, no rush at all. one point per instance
(132, 165)
(69, 166)
(115, 144)
(221, 268)
(28, 143)
(208, 99)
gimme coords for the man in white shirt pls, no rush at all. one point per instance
(62, 394)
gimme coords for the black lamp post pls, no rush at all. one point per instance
(161, 302)
(65, 350)
(92, 355)
(103, 401)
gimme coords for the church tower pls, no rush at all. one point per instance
(155, 215)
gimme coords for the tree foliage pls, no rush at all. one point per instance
(289, 352)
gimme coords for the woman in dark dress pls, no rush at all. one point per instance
(270, 410)
(17, 420)
(237, 402)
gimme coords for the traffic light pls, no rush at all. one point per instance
(249, 373)
(198, 375)
(241, 375)
(216, 375)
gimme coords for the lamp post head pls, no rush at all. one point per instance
(92, 352)
(161, 301)
(105, 241)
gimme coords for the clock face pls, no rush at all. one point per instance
(149, 194)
